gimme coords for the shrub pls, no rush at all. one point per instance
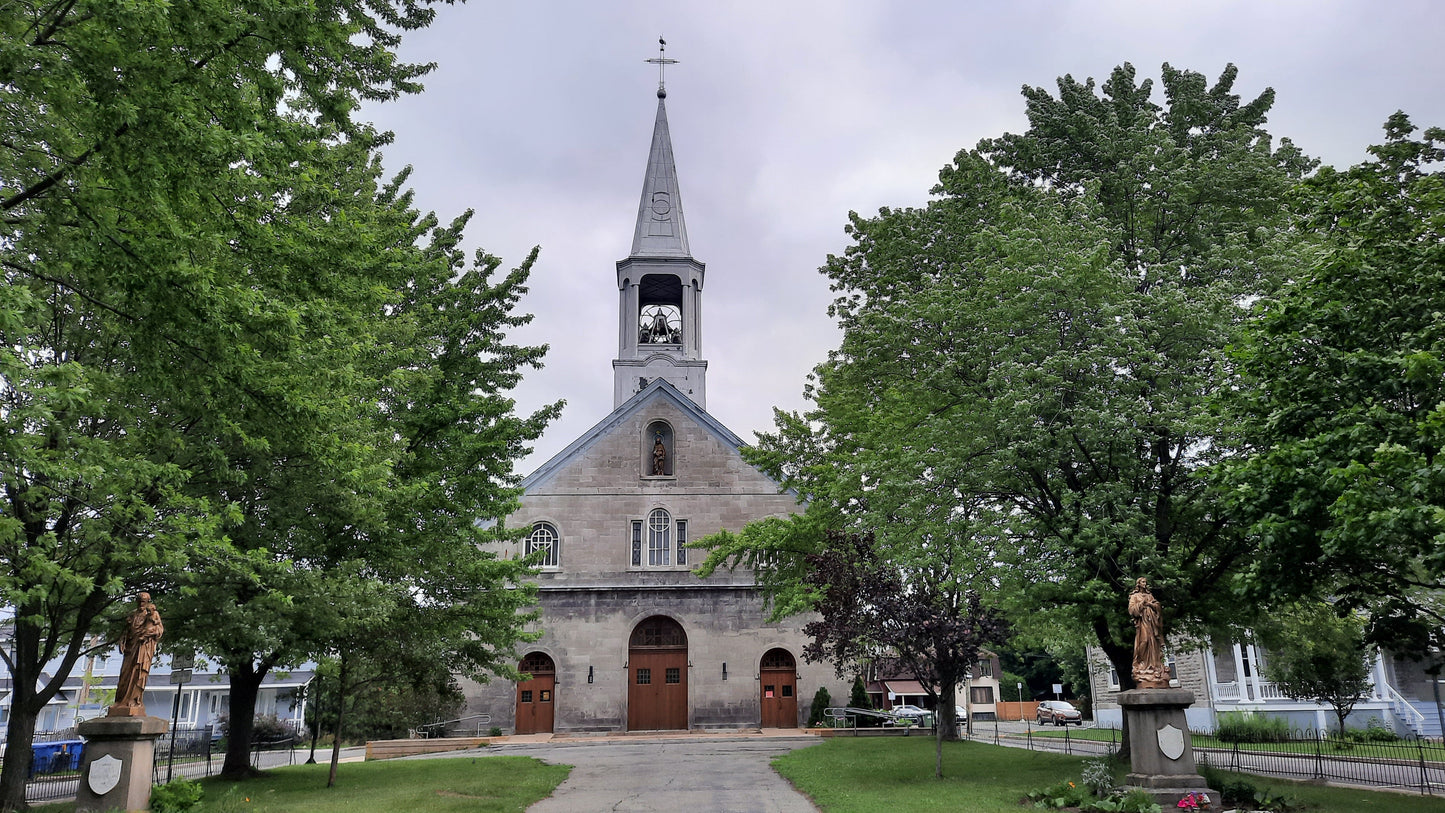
(1057, 797)
(1376, 731)
(821, 701)
(176, 797)
(494, 731)
(1240, 726)
(1098, 777)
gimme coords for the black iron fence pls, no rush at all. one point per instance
(1416, 764)
(185, 752)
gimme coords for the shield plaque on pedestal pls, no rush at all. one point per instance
(1171, 742)
(104, 775)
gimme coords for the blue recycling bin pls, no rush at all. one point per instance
(57, 755)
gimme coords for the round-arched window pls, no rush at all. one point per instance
(544, 538)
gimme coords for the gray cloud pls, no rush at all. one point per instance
(787, 115)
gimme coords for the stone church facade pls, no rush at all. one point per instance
(632, 640)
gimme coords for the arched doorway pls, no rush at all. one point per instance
(657, 676)
(536, 698)
(778, 681)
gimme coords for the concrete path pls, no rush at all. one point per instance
(674, 772)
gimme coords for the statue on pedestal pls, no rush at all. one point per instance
(143, 629)
(1149, 669)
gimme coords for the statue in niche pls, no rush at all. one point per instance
(1149, 669)
(659, 456)
(143, 630)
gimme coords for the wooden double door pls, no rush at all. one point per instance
(537, 697)
(778, 689)
(657, 676)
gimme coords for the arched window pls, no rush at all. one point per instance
(545, 538)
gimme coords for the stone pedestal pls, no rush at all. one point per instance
(119, 761)
(1160, 749)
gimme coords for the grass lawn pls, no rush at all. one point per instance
(432, 785)
(844, 775)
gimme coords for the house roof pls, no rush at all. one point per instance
(905, 687)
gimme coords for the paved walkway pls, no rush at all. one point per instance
(686, 771)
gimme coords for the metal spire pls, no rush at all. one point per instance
(661, 62)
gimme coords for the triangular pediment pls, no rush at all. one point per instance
(656, 396)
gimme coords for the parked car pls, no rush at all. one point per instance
(1059, 712)
(960, 715)
(908, 711)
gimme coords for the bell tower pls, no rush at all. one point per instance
(660, 284)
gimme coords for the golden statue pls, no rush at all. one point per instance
(143, 629)
(1149, 669)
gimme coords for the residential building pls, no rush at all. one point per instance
(1230, 677)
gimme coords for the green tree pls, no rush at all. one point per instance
(821, 702)
(1316, 654)
(858, 698)
(1027, 361)
(197, 258)
(435, 436)
(1344, 401)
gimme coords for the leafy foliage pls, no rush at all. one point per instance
(872, 608)
(1028, 360)
(1344, 400)
(212, 308)
(1243, 726)
(1316, 654)
(177, 796)
(821, 702)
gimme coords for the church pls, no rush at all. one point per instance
(632, 640)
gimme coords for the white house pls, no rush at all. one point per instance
(1230, 677)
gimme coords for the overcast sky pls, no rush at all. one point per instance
(787, 115)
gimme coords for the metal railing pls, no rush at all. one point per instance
(1416, 764)
(439, 728)
(1407, 711)
(848, 717)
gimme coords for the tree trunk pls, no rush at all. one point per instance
(19, 734)
(340, 718)
(1122, 659)
(947, 699)
(28, 698)
(246, 677)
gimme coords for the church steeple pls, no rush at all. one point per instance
(660, 284)
(660, 231)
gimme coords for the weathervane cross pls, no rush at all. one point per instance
(661, 61)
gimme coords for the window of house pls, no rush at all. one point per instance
(545, 538)
(1113, 678)
(985, 668)
(644, 676)
(981, 695)
(637, 543)
(673, 675)
(681, 541)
